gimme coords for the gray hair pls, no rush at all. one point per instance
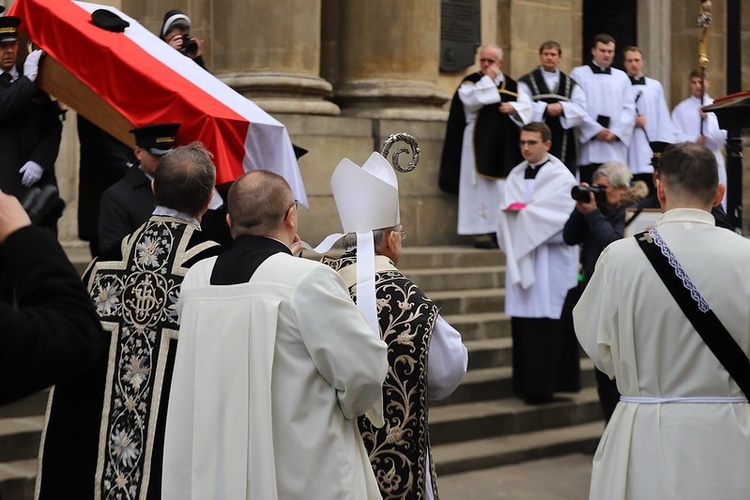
(378, 235)
(618, 174)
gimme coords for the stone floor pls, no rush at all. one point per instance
(561, 478)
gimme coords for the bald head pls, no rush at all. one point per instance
(184, 179)
(258, 204)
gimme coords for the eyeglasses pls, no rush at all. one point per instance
(294, 204)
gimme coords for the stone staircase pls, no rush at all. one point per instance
(479, 426)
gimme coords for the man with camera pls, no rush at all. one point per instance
(540, 267)
(175, 30)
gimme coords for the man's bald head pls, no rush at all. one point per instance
(258, 203)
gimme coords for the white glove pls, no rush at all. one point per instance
(216, 200)
(31, 65)
(31, 172)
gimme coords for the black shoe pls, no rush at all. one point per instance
(487, 245)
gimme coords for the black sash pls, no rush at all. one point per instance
(700, 315)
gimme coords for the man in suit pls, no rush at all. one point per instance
(30, 126)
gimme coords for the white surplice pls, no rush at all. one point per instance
(269, 378)
(649, 102)
(687, 120)
(478, 196)
(606, 95)
(574, 110)
(629, 324)
(540, 267)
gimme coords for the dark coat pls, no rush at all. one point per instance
(30, 129)
(54, 334)
(124, 207)
(129, 203)
(104, 161)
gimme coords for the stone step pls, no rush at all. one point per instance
(480, 326)
(19, 437)
(457, 278)
(498, 417)
(484, 384)
(493, 452)
(17, 479)
(489, 353)
(482, 300)
(35, 404)
(448, 257)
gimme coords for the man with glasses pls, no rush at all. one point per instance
(540, 267)
(426, 356)
(30, 126)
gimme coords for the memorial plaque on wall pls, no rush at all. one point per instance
(459, 33)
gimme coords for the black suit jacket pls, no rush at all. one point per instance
(30, 129)
(55, 332)
(104, 161)
(124, 207)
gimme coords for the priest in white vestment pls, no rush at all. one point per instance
(606, 132)
(694, 125)
(682, 428)
(274, 365)
(540, 267)
(653, 122)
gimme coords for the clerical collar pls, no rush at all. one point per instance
(532, 170)
(598, 70)
(549, 73)
(637, 80)
(171, 212)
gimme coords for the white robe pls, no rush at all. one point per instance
(478, 197)
(631, 327)
(540, 267)
(687, 120)
(606, 95)
(269, 378)
(649, 102)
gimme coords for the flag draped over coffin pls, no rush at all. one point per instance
(140, 80)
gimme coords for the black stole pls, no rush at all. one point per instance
(564, 142)
(496, 137)
(398, 451)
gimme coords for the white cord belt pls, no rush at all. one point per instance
(696, 399)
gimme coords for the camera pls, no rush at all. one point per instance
(189, 44)
(581, 193)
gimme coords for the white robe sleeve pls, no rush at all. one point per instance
(524, 107)
(341, 344)
(594, 318)
(474, 96)
(624, 123)
(447, 361)
(538, 108)
(574, 111)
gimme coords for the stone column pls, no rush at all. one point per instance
(269, 51)
(389, 59)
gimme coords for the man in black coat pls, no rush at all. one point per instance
(103, 161)
(129, 203)
(30, 126)
(54, 333)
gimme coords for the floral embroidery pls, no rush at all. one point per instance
(143, 300)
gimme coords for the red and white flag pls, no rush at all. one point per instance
(146, 81)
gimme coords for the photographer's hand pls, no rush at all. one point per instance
(12, 216)
(176, 41)
(586, 207)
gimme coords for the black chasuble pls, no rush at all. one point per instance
(104, 433)
(399, 450)
(496, 138)
(564, 142)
